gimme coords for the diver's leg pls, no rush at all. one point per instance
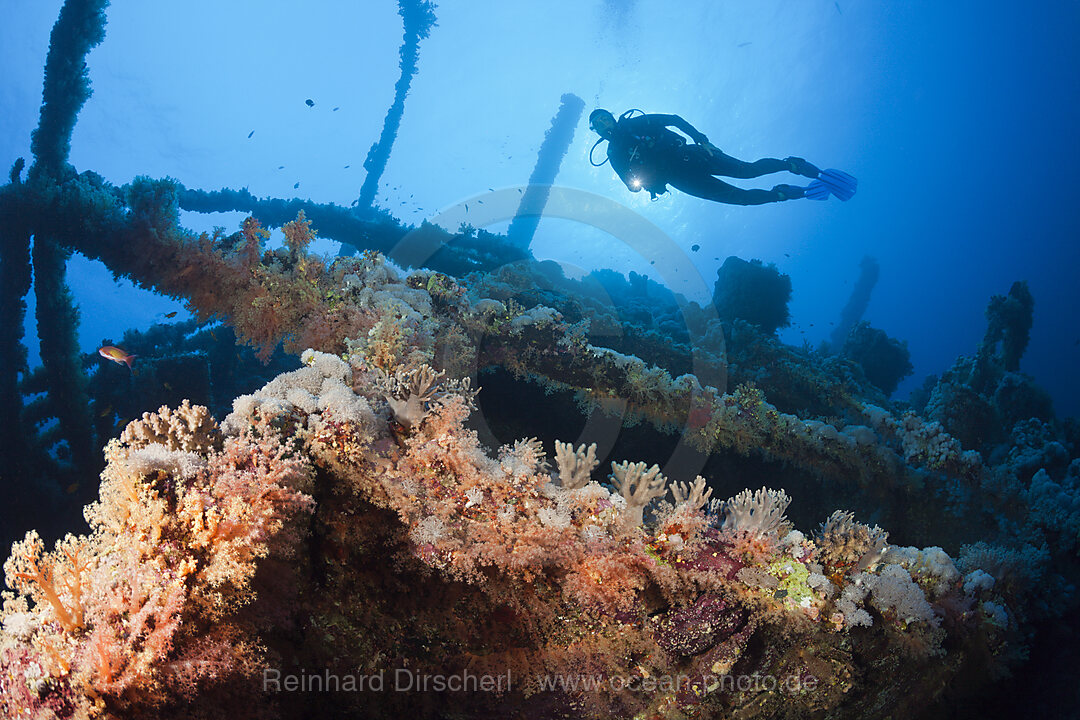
(720, 163)
(709, 188)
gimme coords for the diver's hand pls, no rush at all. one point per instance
(711, 149)
(789, 192)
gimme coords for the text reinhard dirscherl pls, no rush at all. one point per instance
(406, 680)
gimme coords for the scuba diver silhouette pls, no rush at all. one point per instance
(645, 154)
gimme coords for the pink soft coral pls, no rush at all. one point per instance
(145, 606)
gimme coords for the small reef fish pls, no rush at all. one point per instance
(250, 134)
(115, 354)
(309, 102)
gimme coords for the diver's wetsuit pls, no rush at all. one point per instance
(647, 155)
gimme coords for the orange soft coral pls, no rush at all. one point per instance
(176, 540)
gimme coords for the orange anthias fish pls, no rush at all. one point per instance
(116, 355)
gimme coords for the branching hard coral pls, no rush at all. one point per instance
(695, 495)
(760, 512)
(845, 545)
(524, 461)
(411, 393)
(639, 485)
(682, 527)
(753, 522)
(188, 428)
(575, 466)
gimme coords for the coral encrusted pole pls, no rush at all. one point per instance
(14, 285)
(78, 29)
(418, 17)
(552, 151)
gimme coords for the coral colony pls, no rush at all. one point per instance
(343, 544)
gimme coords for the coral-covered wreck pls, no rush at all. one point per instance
(344, 526)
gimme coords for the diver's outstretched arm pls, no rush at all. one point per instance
(677, 122)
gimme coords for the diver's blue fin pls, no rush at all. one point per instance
(816, 190)
(839, 183)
